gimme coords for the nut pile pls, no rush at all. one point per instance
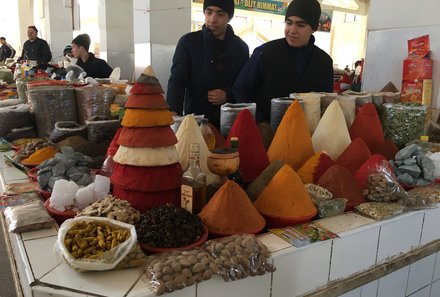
(316, 191)
(239, 256)
(382, 188)
(135, 258)
(174, 271)
(112, 208)
(91, 240)
(31, 146)
(432, 191)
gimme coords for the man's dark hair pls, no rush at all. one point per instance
(2, 38)
(33, 27)
(82, 40)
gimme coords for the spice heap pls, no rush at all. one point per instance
(168, 226)
(292, 142)
(354, 155)
(285, 197)
(189, 132)
(315, 167)
(253, 156)
(40, 155)
(388, 149)
(363, 172)
(367, 126)
(147, 171)
(230, 211)
(339, 181)
(331, 135)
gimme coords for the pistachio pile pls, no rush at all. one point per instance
(31, 146)
(174, 271)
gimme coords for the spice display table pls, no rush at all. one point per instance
(358, 263)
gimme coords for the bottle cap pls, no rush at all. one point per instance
(424, 138)
(234, 138)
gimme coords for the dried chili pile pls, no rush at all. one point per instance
(168, 226)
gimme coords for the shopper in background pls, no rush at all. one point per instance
(6, 50)
(35, 49)
(67, 52)
(293, 64)
(206, 64)
(94, 67)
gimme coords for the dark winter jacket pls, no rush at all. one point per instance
(6, 51)
(202, 63)
(95, 67)
(37, 50)
(277, 69)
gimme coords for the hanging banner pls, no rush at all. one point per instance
(269, 6)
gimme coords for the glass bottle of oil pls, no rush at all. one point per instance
(193, 190)
(236, 176)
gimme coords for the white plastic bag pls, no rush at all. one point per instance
(109, 259)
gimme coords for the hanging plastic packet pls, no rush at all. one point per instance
(27, 217)
(380, 210)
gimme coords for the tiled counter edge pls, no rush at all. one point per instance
(363, 245)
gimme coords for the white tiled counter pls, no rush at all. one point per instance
(363, 244)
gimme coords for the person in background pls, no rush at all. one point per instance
(35, 48)
(206, 63)
(94, 67)
(6, 50)
(67, 52)
(293, 64)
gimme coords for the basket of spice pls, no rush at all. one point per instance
(169, 228)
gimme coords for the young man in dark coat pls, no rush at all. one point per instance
(94, 67)
(35, 48)
(206, 64)
(293, 64)
(6, 50)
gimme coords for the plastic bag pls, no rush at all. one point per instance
(228, 113)
(414, 201)
(93, 101)
(240, 256)
(403, 123)
(380, 210)
(382, 185)
(16, 116)
(101, 129)
(312, 108)
(106, 254)
(135, 258)
(277, 110)
(51, 104)
(432, 191)
(348, 106)
(27, 217)
(176, 270)
(330, 207)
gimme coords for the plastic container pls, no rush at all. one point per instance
(59, 216)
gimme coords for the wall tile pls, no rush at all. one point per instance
(435, 289)
(301, 271)
(420, 274)
(431, 231)
(370, 289)
(425, 292)
(344, 222)
(399, 236)
(393, 284)
(257, 286)
(437, 268)
(354, 293)
(354, 253)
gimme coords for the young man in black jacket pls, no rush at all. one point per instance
(94, 67)
(293, 64)
(6, 50)
(35, 48)
(206, 64)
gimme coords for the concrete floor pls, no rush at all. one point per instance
(7, 288)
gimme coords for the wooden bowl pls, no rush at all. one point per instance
(223, 164)
(151, 250)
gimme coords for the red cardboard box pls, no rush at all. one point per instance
(417, 72)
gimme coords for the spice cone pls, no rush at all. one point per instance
(149, 101)
(142, 118)
(315, 167)
(292, 142)
(145, 156)
(144, 88)
(230, 212)
(354, 155)
(147, 137)
(367, 126)
(286, 197)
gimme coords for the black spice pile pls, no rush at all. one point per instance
(168, 227)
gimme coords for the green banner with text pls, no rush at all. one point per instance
(275, 7)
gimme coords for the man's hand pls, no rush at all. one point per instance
(217, 97)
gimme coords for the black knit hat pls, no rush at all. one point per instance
(82, 40)
(308, 10)
(226, 5)
(67, 49)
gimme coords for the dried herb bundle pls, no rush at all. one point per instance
(168, 226)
